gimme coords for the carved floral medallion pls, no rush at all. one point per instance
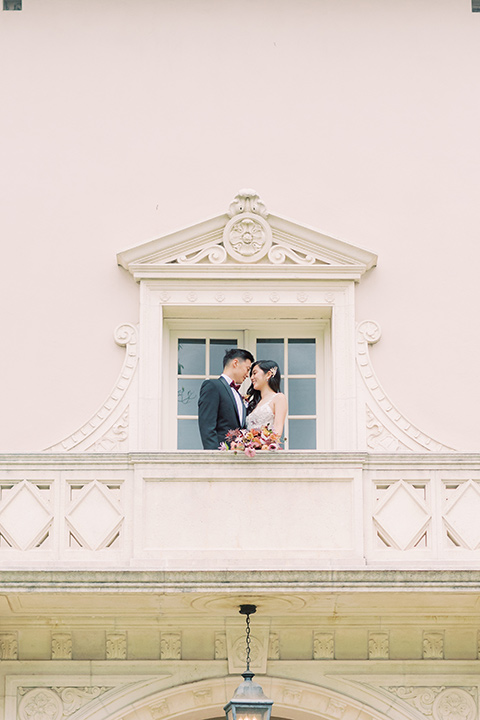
(247, 237)
(40, 704)
(454, 704)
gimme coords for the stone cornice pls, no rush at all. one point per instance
(431, 460)
(225, 581)
(246, 272)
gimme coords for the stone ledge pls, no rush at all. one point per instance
(203, 457)
(240, 581)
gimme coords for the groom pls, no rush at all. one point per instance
(220, 406)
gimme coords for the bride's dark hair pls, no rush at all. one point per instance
(254, 396)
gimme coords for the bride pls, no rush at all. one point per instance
(267, 406)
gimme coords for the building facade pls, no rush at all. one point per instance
(125, 549)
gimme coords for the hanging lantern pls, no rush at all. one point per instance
(249, 701)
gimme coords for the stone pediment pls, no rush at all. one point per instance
(203, 276)
(247, 237)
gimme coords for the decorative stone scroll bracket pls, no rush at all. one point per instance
(438, 702)
(387, 430)
(248, 246)
(108, 429)
(55, 703)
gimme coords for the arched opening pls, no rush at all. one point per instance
(204, 700)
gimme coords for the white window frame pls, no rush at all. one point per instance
(201, 334)
(246, 337)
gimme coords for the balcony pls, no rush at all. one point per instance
(213, 512)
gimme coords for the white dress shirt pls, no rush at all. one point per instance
(238, 398)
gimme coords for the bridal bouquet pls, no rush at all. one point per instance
(249, 441)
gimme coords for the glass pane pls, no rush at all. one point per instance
(188, 390)
(218, 349)
(301, 396)
(302, 434)
(191, 357)
(270, 349)
(301, 356)
(188, 435)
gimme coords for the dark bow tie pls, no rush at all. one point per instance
(234, 385)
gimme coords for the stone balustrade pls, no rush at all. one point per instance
(210, 511)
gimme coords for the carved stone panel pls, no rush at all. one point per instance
(454, 704)
(433, 645)
(95, 516)
(461, 515)
(259, 645)
(24, 500)
(292, 696)
(247, 237)
(378, 646)
(336, 709)
(202, 697)
(116, 646)
(419, 697)
(159, 710)
(402, 517)
(274, 646)
(40, 704)
(220, 646)
(170, 646)
(438, 701)
(50, 702)
(8, 646)
(61, 646)
(323, 645)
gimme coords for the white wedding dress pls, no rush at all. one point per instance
(261, 416)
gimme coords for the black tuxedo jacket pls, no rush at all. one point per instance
(217, 413)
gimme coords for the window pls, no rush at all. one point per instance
(12, 4)
(198, 358)
(301, 350)
(297, 360)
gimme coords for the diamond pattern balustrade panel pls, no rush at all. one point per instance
(462, 514)
(25, 516)
(401, 516)
(95, 516)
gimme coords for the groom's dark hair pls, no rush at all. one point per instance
(237, 353)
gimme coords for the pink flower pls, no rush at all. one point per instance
(255, 439)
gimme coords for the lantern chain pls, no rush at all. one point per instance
(247, 643)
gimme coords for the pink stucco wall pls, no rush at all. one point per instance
(125, 119)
